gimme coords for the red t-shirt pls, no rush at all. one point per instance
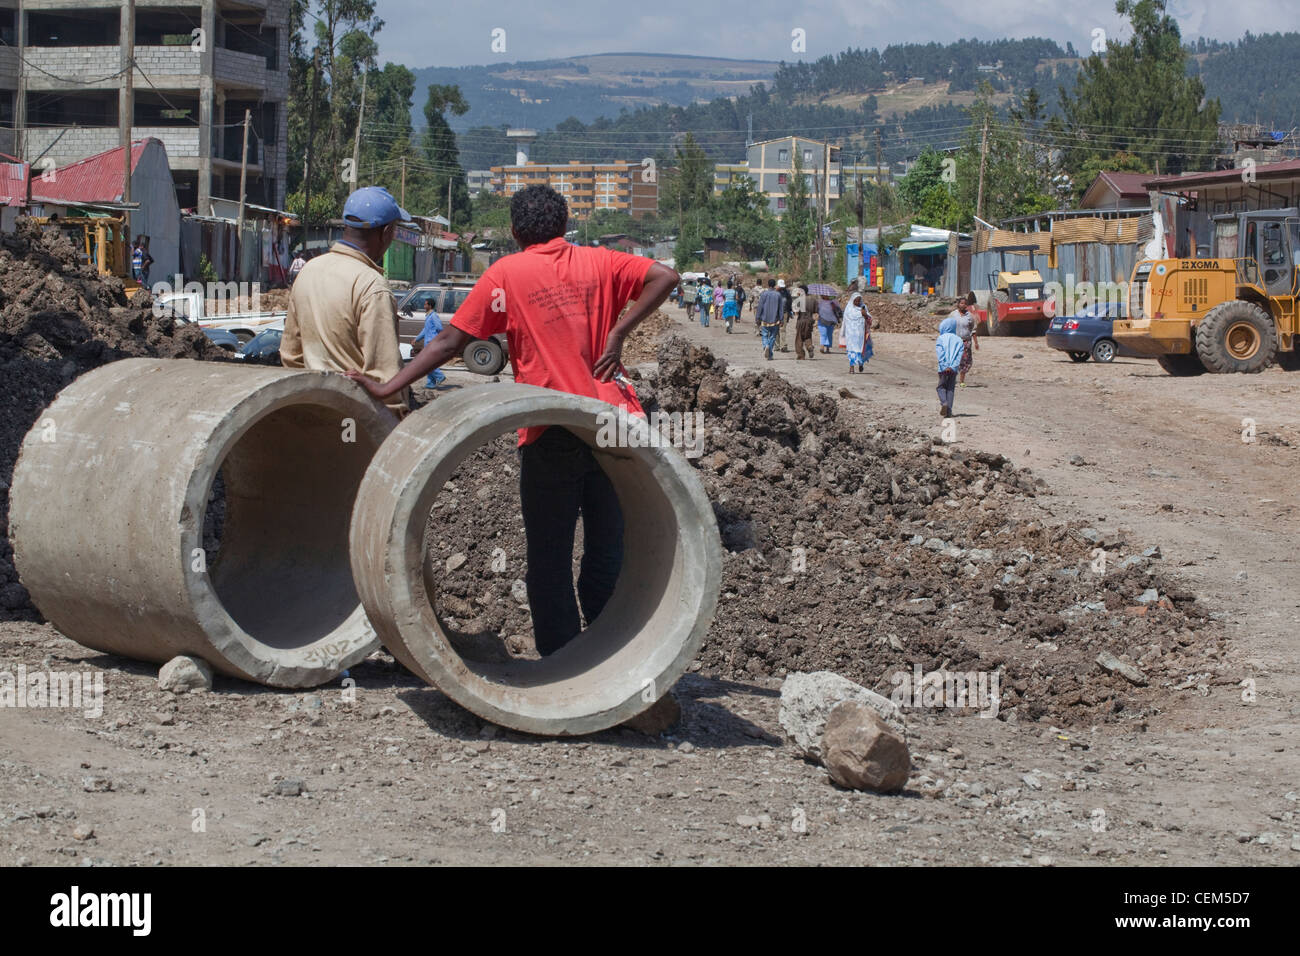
(556, 302)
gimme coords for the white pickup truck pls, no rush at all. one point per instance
(193, 306)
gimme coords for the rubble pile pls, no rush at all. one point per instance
(58, 319)
(873, 555)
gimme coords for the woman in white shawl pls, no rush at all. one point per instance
(857, 333)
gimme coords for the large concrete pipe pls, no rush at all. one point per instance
(629, 656)
(109, 498)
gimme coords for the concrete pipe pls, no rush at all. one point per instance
(629, 656)
(110, 495)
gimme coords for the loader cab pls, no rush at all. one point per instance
(1267, 242)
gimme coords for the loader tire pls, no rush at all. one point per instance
(1236, 336)
(1181, 366)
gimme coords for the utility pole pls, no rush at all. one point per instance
(859, 206)
(243, 174)
(311, 142)
(880, 216)
(984, 155)
(356, 140)
(449, 202)
(126, 104)
(403, 182)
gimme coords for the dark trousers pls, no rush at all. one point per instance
(560, 479)
(947, 388)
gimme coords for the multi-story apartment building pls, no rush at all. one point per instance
(199, 65)
(771, 164)
(586, 186)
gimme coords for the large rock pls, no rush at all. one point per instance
(862, 752)
(183, 674)
(808, 699)
(661, 716)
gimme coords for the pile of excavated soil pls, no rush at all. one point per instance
(867, 555)
(643, 343)
(268, 300)
(907, 313)
(58, 319)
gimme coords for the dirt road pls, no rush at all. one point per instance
(400, 775)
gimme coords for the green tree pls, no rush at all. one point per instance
(441, 165)
(1138, 98)
(797, 224)
(686, 192)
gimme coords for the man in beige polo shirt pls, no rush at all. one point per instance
(341, 314)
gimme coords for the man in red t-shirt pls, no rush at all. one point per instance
(558, 305)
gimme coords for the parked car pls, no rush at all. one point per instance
(192, 306)
(221, 338)
(1087, 333)
(263, 348)
(482, 356)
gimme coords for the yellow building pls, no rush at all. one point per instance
(627, 187)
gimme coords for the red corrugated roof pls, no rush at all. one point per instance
(96, 178)
(1128, 184)
(13, 184)
(1263, 171)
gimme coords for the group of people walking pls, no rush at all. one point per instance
(812, 306)
(776, 307)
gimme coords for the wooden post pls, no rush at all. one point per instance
(880, 217)
(243, 174)
(984, 154)
(311, 140)
(403, 182)
(356, 140)
(126, 102)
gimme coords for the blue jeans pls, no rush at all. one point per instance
(435, 379)
(769, 336)
(560, 479)
(947, 388)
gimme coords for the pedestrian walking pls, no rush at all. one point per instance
(857, 333)
(828, 317)
(948, 348)
(804, 322)
(730, 306)
(562, 317)
(688, 299)
(964, 316)
(786, 312)
(769, 317)
(432, 329)
(704, 294)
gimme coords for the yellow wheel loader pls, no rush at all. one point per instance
(1232, 313)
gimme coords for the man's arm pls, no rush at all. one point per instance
(659, 280)
(291, 339)
(377, 335)
(450, 342)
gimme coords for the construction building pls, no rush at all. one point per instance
(770, 164)
(198, 67)
(627, 187)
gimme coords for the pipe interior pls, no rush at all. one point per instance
(612, 657)
(282, 570)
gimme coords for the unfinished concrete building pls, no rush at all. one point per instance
(198, 66)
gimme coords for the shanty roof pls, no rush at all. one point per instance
(1124, 185)
(96, 178)
(1286, 170)
(13, 184)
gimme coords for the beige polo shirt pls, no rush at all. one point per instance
(341, 316)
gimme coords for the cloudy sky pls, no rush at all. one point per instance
(423, 33)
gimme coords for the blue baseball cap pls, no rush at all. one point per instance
(371, 207)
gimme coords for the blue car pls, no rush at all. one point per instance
(1086, 333)
(263, 348)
